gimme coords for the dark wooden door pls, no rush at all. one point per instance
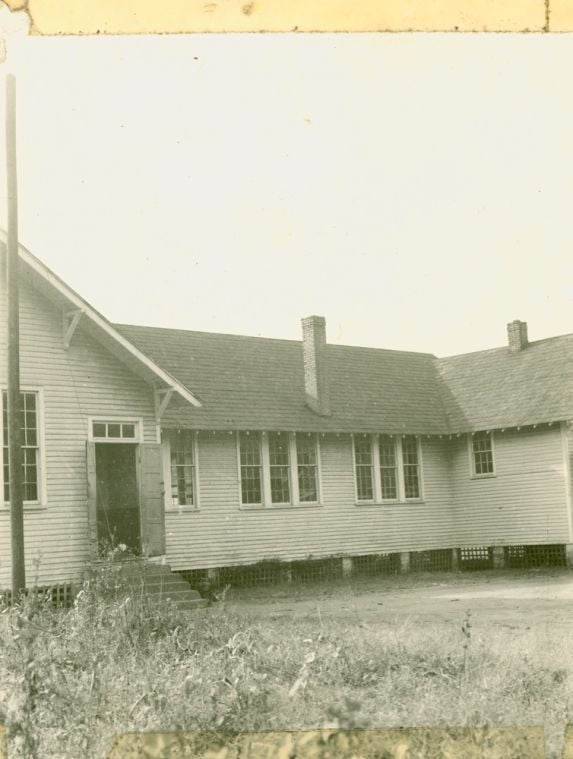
(117, 495)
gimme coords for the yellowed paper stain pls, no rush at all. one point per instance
(568, 750)
(3, 743)
(51, 17)
(561, 16)
(407, 743)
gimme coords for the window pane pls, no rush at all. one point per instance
(364, 483)
(482, 453)
(363, 456)
(182, 487)
(411, 466)
(410, 450)
(307, 468)
(363, 451)
(411, 483)
(279, 467)
(250, 456)
(278, 449)
(5, 415)
(113, 430)
(128, 430)
(30, 446)
(30, 474)
(388, 476)
(251, 484)
(182, 467)
(250, 450)
(99, 429)
(6, 474)
(387, 451)
(280, 486)
(29, 401)
(306, 450)
(388, 483)
(30, 436)
(307, 490)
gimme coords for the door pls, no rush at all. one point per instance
(151, 486)
(117, 496)
(125, 496)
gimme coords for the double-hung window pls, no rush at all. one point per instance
(482, 454)
(364, 468)
(180, 468)
(307, 468)
(387, 468)
(31, 452)
(251, 469)
(411, 466)
(278, 468)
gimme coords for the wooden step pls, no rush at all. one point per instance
(159, 583)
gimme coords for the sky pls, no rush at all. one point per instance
(416, 190)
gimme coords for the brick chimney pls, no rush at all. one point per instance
(517, 336)
(314, 358)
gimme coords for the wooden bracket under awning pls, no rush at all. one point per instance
(162, 398)
(71, 321)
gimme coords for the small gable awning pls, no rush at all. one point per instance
(41, 278)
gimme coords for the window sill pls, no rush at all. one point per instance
(278, 506)
(488, 476)
(181, 509)
(413, 501)
(29, 507)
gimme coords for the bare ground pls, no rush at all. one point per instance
(540, 600)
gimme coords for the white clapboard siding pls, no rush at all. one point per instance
(525, 502)
(221, 533)
(84, 381)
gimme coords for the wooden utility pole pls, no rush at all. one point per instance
(14, 400)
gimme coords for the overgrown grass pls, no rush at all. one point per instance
(70, 681)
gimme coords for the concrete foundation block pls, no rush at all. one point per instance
(346, 566)
(498, 557)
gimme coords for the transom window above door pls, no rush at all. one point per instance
(114, 431)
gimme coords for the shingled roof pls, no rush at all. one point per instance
(254, 383)
(496, 388)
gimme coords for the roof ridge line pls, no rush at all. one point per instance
(121, 325)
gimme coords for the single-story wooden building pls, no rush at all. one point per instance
(216, 450)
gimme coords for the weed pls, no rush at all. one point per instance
(71, 680)
(467, 633)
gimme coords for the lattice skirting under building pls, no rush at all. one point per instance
(273, 571)
(476, 558)
(59, 596)
(468, 558)
(525, 557)
(440, 560)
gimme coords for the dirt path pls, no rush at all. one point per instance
(524, 600)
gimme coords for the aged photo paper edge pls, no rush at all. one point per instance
(74, 17)
(80, 17)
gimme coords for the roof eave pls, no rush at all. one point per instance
(104, 330)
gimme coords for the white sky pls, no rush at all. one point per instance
(416, 190)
